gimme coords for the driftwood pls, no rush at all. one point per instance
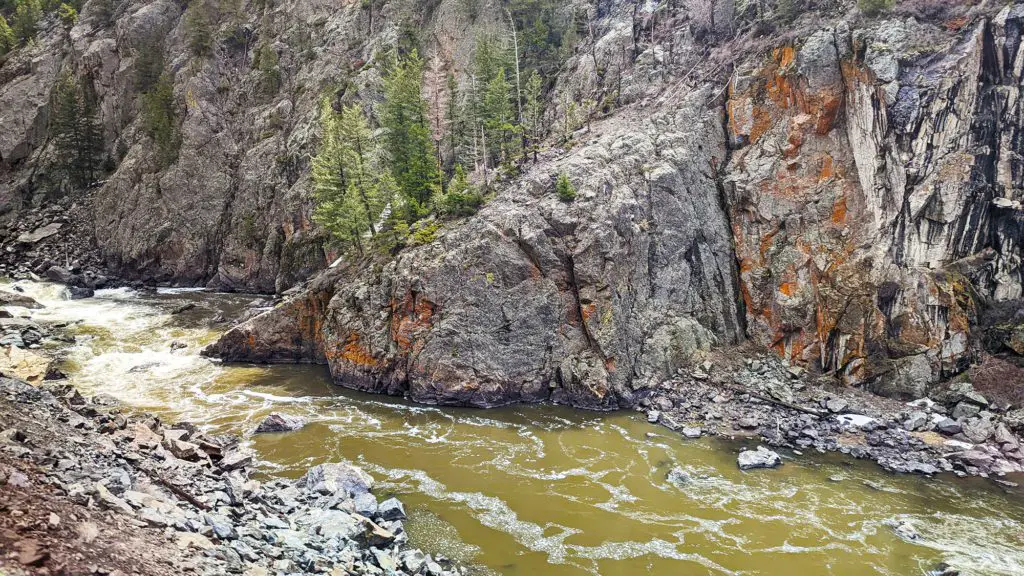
(176, 490)
(759, 396)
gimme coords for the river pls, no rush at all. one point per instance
(541, 490)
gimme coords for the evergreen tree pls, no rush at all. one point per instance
(76, 133)
(160, 120)
(533, 114)
(26, 18)
(564, 188)
(498, 116)
(149, 64)
(408, 142)
(68, 14)
(461, 199)
(456, 128)
(266, 61)
(198, 28)
(8, 41)
(350, 190)
(541, 32)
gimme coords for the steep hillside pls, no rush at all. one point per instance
(839, 186)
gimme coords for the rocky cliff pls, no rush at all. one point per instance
(842, 189)
(874, 194)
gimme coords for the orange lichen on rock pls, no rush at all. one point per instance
(789, 288)
(827, 168)
(412, 315)
(588, 311)
(839, 211)
(354, 352)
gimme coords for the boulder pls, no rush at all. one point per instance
(977, 458)
(40, 234)
(837, 405)
(337, 478)
(759, 458)
(692, 432)
(1014, 420)
(222, 527)
(80, 292)
(978, 430)
(236, 459)
(965, 410)
(948, 426)
(916, 421)
(15, 299)
(391, 509)
(59, 274)
(280, 423)
(24, 364)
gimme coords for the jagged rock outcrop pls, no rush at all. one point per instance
(535, 298)
(874, 196)
(852, 200)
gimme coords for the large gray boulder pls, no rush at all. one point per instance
(337, 478)
(759, 458)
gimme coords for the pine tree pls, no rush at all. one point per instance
(76, 133)
(266, 61)
(533, 114)
(461, 199)
(408, 142)
(498, 116)
(149, 63)
(541, 31)
(198, 24)
(564, 188)
(350, 190)
(456, 128)
(160, 120)
(26, 18)
(8, 41)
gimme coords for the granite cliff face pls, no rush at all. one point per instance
(848, 196)
(875, 199)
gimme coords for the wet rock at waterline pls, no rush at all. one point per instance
(280, 423)
(759, 458)
(337, 478)
(26, 365)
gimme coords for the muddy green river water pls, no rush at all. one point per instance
(539, 490)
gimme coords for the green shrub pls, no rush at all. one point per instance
(873, 8)
(7, 38)
(68, 14)
(26, 18)
(461, 199)
(425, 234)
(566, 191)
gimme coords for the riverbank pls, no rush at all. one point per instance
(956, 430)
(528, 489)
(91, 488)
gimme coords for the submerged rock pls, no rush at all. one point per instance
(759, 458)
(280, 423)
